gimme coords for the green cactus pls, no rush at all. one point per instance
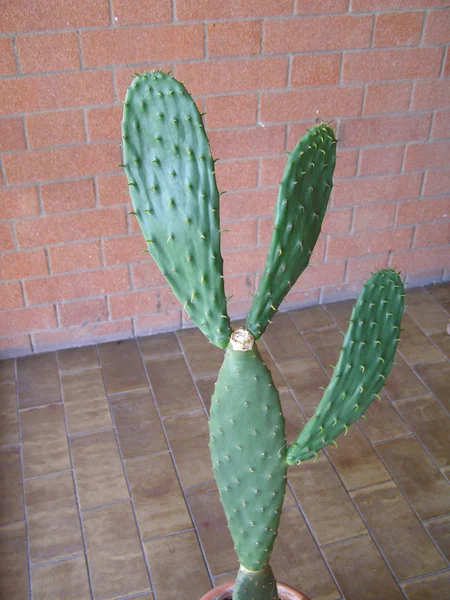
(172, 186)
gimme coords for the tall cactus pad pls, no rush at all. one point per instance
(364, 363)
(299, 212)
(174, 193)
(248, 453)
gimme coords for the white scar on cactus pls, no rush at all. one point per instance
(242, 340)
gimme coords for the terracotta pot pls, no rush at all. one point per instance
(225, 591)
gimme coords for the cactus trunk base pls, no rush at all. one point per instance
(226, 590)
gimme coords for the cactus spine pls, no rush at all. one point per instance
(174, 193)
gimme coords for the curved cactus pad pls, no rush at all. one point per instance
(299, 212)
(174, 193)
(247, 450)
(255, 585)
(364, 363)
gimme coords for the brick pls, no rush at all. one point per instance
(236, 262)
(61, 163)
(11, 295)
(55, 128)
(380, 188)
(231, 111)
(337, 221)
(146, 275)
(398, 29)
(47, 92)
(251, 142)
(401, 63)
(431, 94)
(370, 5)
(239, 286)
(6, 238)
(318, 253)
(271, 170)
(387, 97)
(422, 259)
(346, 163)
(308, 104)
(384, 130)
(124, 75)
(437, 182)
(359, 269)
(17, 345)
(437, 27)
(64, 287)
(135, 12)
(326, 7)
(68, 195)
(233, 75)
(113, 189)
(239, 234)
(429, 155)
(71, 227)
(319, 275)
(18, 202)
(236, 174)
(307, 34)
(72, 257)
(374, 216)
(17, 16)
(441, 124)
(141, 303)
(16, 265)
(12, 135)
(24, 320)
(139, 44)
(94, 332)
(378, 161)
(446, 71)
(315, 69)
(249, 204)
(48, 52)
(433, 234)
(265, 230)
(125, 249)
(82, 312)
(151, 324)
(422, 210)
(200, 10)
(233, 38)
(368, 242)
(104, 123)
(7, 60)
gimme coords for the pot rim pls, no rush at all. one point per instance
(222, 592)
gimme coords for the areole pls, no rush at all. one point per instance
(225, 592)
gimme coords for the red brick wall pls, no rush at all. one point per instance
(263, 70)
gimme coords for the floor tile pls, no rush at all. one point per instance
(296, 559)
(361, 571)
(177, 567)
(13, 562)
(189, 439)
(306, 379)
(433, 587)
(431, 424)
(310, 318)
(45, 449)
(293, 416)
(356, 461)
(325, 502)
(402, 382)
(442, 340)
(137, 423)
(414, 344)
(115, 557)
(7, 370)
(441, 293)
(122, 366)
(78, 359)
(11, 498)
(419, 479)
(53, 521)
(9, 429)
(436, 375)
(326, 344)
(85, 401)
(37, 377)
(205, 388)
(439, 530)
(66, 579)
(172, 385)
(98, 470)
(268, 361)
(283, 340)
(204, 359)
(383, 421)
(425, 309)
(341, 311)
(157, 496)
(163, 344)
(212, 527)
(397, 531)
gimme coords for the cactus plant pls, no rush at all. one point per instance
(172, 186)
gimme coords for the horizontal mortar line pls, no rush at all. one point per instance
(3, 525)
(369, 485)
(75, 370)
(196, 485)
(143, 456)
(436, 518)
(427, 574)
(354, 537)
(185, 412)
(105, 505)
(28, 408)
(115, 394)
(433, 359)
(167, 535)
(90, 431)
(6, 446)
(56, 560)
(399, 437)
(47, 475)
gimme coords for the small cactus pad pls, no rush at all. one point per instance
(299, 212)
(255, 585)
(174, 193)
(364, 363)
(248, 449)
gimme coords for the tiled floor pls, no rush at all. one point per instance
(106, 488)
